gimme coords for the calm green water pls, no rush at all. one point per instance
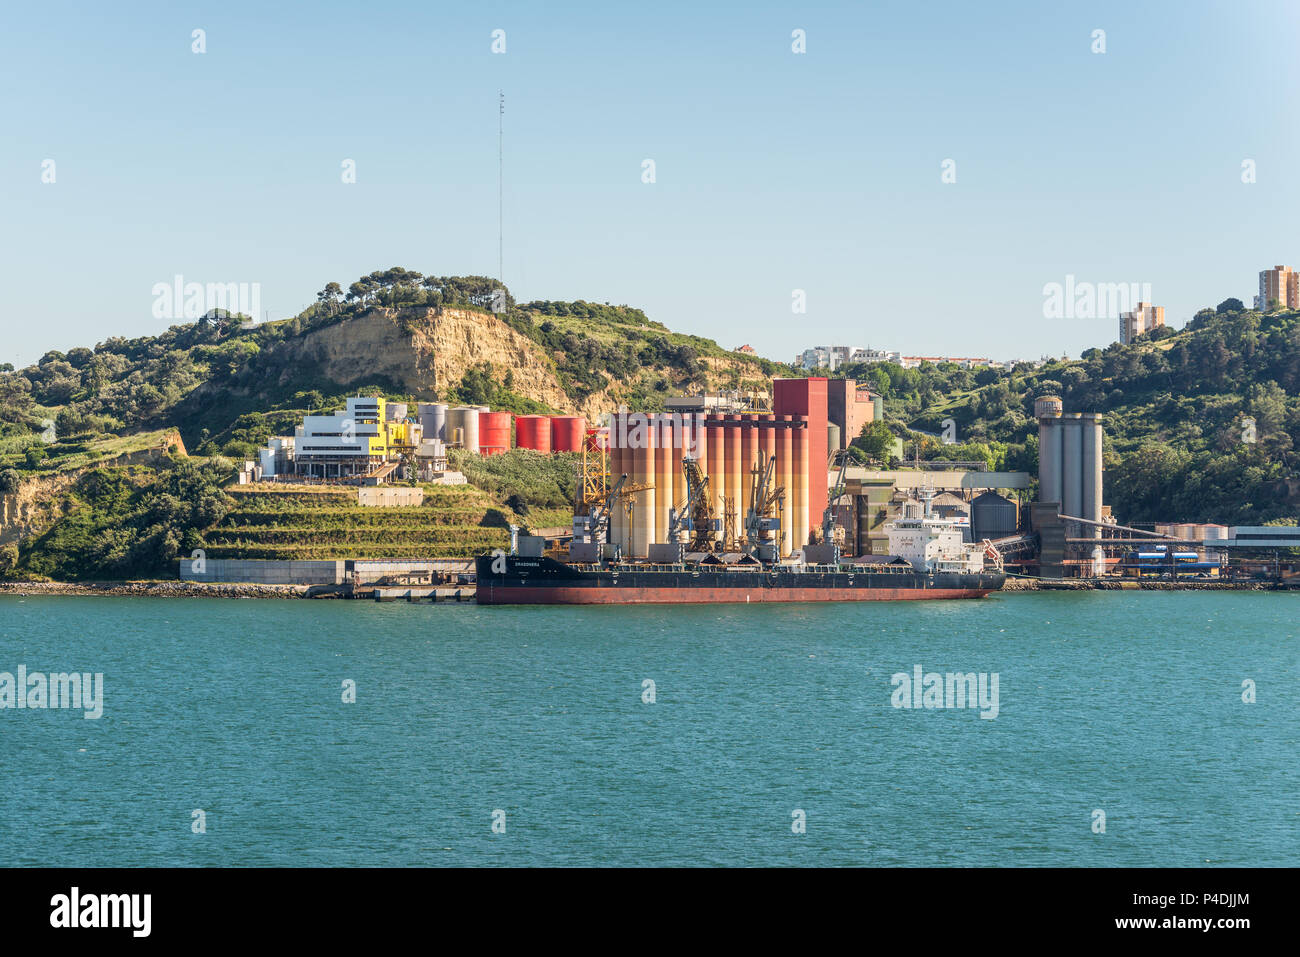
(1129, 703)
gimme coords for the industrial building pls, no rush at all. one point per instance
(371, 438)
(1068, 516)
(350, 442)
(874, 499)
(849, 407)
(650, 447)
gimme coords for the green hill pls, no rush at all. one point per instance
(94, 481)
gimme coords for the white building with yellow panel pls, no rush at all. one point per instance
(351, 442)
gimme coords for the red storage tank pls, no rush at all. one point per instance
(567, 432)
(493, 432)
(533, 432)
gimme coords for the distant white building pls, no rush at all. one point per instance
(818, 357)
(277, 457)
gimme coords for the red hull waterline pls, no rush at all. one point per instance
(488, 594)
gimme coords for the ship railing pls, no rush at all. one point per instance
(806, 569)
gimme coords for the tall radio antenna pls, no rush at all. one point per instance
(501, 114)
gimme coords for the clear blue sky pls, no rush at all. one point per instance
(775, 171)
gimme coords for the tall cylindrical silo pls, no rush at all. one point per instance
(748, 446)
(697, 447)
(785, 469)
(1092, 469)
(647, 515)
(395, 411)
(715, 459)
(767, 444)
(733, 470)
(1048, 411)
(678, 442)
(663, 440)
(800, 509)
(1072, 464)
(618, 515)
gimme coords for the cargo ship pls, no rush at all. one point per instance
(928, 560)
(520, 580)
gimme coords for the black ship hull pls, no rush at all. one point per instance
(514, 580)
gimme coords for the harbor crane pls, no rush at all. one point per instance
(692, 513)
(765, 508)
(596, 524)
(829, 527)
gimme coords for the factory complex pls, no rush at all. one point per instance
(372, 441)
(766, 478)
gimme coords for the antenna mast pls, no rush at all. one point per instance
(501, 113)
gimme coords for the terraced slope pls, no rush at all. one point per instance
(303, 522)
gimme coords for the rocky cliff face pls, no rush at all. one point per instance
(426, 352)
(41, 500)
(34, 507)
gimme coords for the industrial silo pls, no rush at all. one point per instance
(1071, 425)
(395, 411)
(832, 436)
(462, 427)
(617, 466)
(748, 447)
(663, 472)
(714, 464)
(567, 432)
(732, 467)
(1048, 412)
(1092, 467)
(992, 516)
(533, 432)
(493, 432)
(799, 509)
(785, 468)
(433, 417)
(641, 439)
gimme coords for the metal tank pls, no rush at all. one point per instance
(433, 418)
(533, 432)
(494, 432)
